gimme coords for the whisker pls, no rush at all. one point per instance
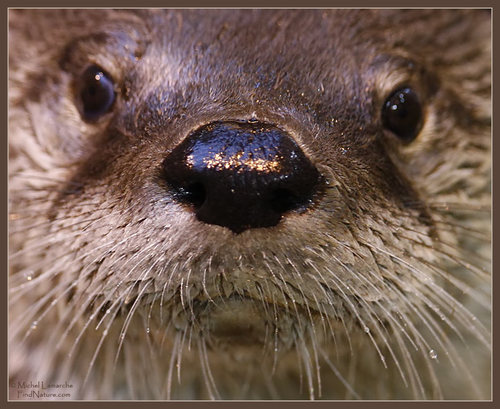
(339, 375)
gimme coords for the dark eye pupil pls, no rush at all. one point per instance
(96, 93)
(402, 114)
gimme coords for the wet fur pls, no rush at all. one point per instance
(382, 290)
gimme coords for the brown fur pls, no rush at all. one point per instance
(379, 291)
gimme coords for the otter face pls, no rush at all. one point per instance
(250, 203)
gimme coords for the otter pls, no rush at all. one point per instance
(250, 204)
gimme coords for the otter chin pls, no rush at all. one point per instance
(250, 204)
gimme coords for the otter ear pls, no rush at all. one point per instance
(402, 114)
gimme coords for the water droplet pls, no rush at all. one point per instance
(366, 329)
(148, 330)
(433, 354)
(28, 275)
(34, 325)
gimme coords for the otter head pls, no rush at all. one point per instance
(223, 203)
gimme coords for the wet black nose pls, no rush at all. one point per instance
(241, 175)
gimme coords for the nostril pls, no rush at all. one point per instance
(284, 200)
(193, 194)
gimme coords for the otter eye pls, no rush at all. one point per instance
(96, 93)
(402, 114)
